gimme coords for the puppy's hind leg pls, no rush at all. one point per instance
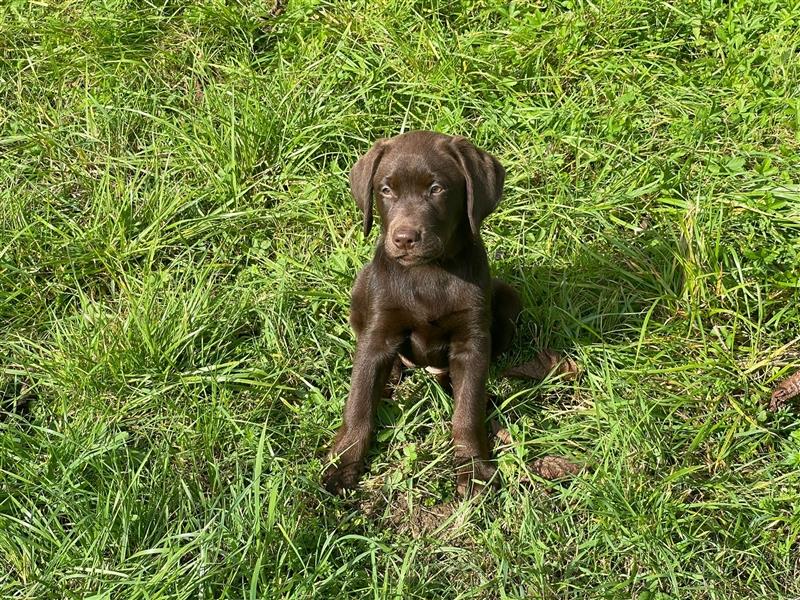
(506, 306)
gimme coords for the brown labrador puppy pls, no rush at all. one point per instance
(427, 298)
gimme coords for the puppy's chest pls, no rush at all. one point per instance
(434, 302)
(427, 342)
(432, 311)
(433, 320)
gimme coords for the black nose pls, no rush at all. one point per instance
(405, 238)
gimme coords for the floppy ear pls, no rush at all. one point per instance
(361, 180)
(484, 176)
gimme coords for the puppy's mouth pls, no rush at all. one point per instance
(409, 260)
(416, 256)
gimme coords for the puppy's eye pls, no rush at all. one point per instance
(386, 190)
(436, 189)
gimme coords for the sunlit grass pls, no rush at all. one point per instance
(177, 243)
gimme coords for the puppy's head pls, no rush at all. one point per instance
(431, 190)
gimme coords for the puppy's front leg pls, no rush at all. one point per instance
(375, 355)
(469, 368)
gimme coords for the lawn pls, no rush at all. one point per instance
(177, 244)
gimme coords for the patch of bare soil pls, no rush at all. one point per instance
(414, 518)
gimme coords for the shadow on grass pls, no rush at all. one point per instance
(589, 309)
(605, 296)
(15, 400)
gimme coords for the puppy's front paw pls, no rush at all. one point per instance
(339, 478)
(474, 475)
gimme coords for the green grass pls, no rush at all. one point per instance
(177, 243)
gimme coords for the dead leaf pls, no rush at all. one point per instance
(785, 391)
(278, 8)
(500, 434)
(546, 362)
(553, 467)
